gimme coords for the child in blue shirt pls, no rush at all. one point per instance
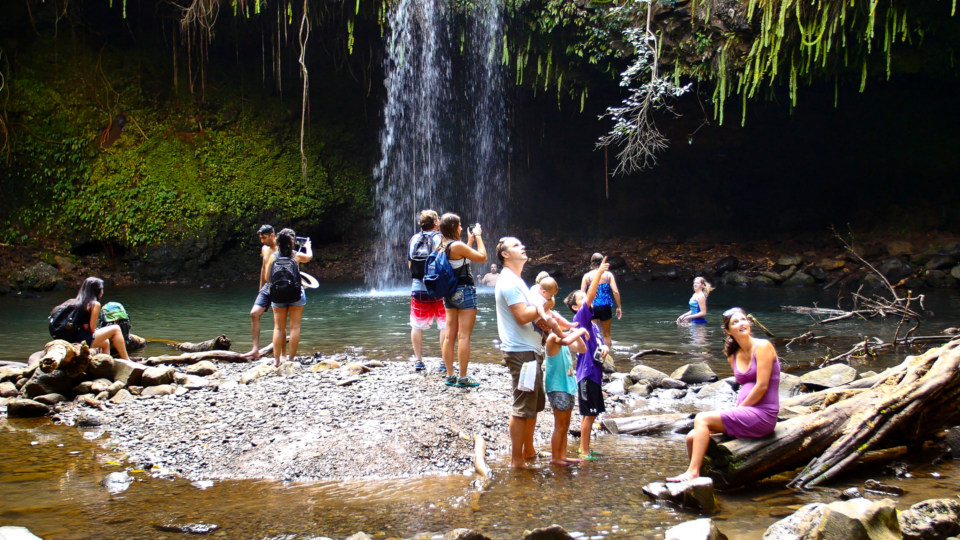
(561, 387)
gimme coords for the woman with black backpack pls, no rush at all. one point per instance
(86, 308)
(287, 296)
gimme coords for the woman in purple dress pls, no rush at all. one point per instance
(757, 369)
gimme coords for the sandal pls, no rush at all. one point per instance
(589, 456)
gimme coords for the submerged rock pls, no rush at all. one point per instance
(697, 372)
(553, 532)
(26, 408)
(698, 529)
(697, 494)
(931, 519)
(117, 482)
(829, 377)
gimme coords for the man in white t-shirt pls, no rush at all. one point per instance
(520, 342)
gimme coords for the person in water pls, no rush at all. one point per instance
(268, 240)
(461, 304)
(756, 367)
(490, 279)
(88, 303)
(698, 303)
(589, 371)
(607, 295)
(423, 307)
(285, 244)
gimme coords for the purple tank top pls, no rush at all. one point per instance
(748, 379)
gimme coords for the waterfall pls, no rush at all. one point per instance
(444, 140)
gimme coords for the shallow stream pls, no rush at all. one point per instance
(50, 474)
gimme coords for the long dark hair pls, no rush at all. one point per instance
(285, 242)
(89, 292)
(730, 345)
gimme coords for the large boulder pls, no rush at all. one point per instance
(615, 387)
(931, 519)
(8, 389)
(719, 393)
(26, 408)
(12, 373)
(157, 375)
(697, 372)
(726, 264)
(698, 529)
(798, 525)
(697, 494)
(39, 277)
(40, 383)
(100, 367)
(128, 371)
(790, 385)
(895, 269)
(799, 279)
(735, 278)
(829, 377)
(465, 534)
(647, 373)
(859, 519)
(665, 272)
(553, 532)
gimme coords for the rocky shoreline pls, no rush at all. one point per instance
(916, 261)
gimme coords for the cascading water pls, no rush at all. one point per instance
(443, 141)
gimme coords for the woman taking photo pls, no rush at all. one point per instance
(87, 302)
(698, 303)
(281, 309)
(756, 367)
(461, 305)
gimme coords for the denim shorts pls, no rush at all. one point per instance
(263, 298)
(465, 297)
(561, 401)
(301, 302)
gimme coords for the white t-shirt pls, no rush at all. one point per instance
(514, 337)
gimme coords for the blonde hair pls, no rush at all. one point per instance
(707, 287)
(541, 276)
(548, 284)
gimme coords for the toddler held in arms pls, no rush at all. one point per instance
(545, 291)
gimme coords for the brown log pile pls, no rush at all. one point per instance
(71, 358)
(835, 428)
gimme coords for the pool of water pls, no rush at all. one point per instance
(50, 475)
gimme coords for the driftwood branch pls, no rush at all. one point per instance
(651, 351)
(194, 357)
(71, 358)
(845, 423)
(219, 343)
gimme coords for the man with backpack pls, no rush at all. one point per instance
(268, 239)
(424, 307)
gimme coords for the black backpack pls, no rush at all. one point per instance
(63, 323)
(421, 250)
(285, 287)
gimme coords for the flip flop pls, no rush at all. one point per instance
(308, 281)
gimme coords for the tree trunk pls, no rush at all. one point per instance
(194, 357)
(219, 343)
(652, 423)
(843, 423)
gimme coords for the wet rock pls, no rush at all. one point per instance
(157, 375)
(939, 279)
(39, 277)
(257, 372)
(885, 489)
(159, 390)
(115, 387)
(202, 368)
(800, 279)
(697, 372)
(17, 533)
(771, 275)
(8, 389)
(697, 494)
(895, 269)
(788, 273)
(735, 279)
(726, 264)
(188, 528)
(90, 419)
(26, 408)
(465, 534)
(790, 385)
(931, 519)
(121, 396)
(646, 373)
(553, 532)
(101, 367)
(12, 373)
(718, 392)
(829, 377)
(92, 387)
(641, 389)
(41, 383)
(952, 440)
(897, 248)
(940, 262)
(763, 281)
(673, 394)
(288, 369)
(832, 264)
(117, 482)
(698, 529)
(665, 272)
(798, 525)
(955, 272)
(127, 371)
(50, 399)
(615, 388)
(671, 383)
(787, 261)
(859, 518)
(851, 493)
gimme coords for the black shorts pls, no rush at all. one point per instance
(590, 398)
(603, 313)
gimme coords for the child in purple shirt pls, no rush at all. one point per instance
(589, 372)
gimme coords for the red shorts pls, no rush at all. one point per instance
(423, 309)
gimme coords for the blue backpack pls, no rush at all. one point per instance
(438, 276)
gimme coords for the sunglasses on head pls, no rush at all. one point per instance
(731, 311)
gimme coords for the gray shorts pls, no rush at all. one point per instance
(561, 401)
(263, 298)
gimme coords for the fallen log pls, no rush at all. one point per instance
(219, 343)
(194, 357)
(645, 352)
(644, 424)
(71, 358)
(847, 422)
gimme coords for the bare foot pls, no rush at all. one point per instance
(253, 354)
(572, 460)
(563, 462)
(685, 477)
(534, 456)
(515, 465)
(277, 361)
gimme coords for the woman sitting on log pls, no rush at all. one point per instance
(757, 369)
(88, 303)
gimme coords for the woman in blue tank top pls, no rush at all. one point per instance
(698, 303)
(607, 295)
